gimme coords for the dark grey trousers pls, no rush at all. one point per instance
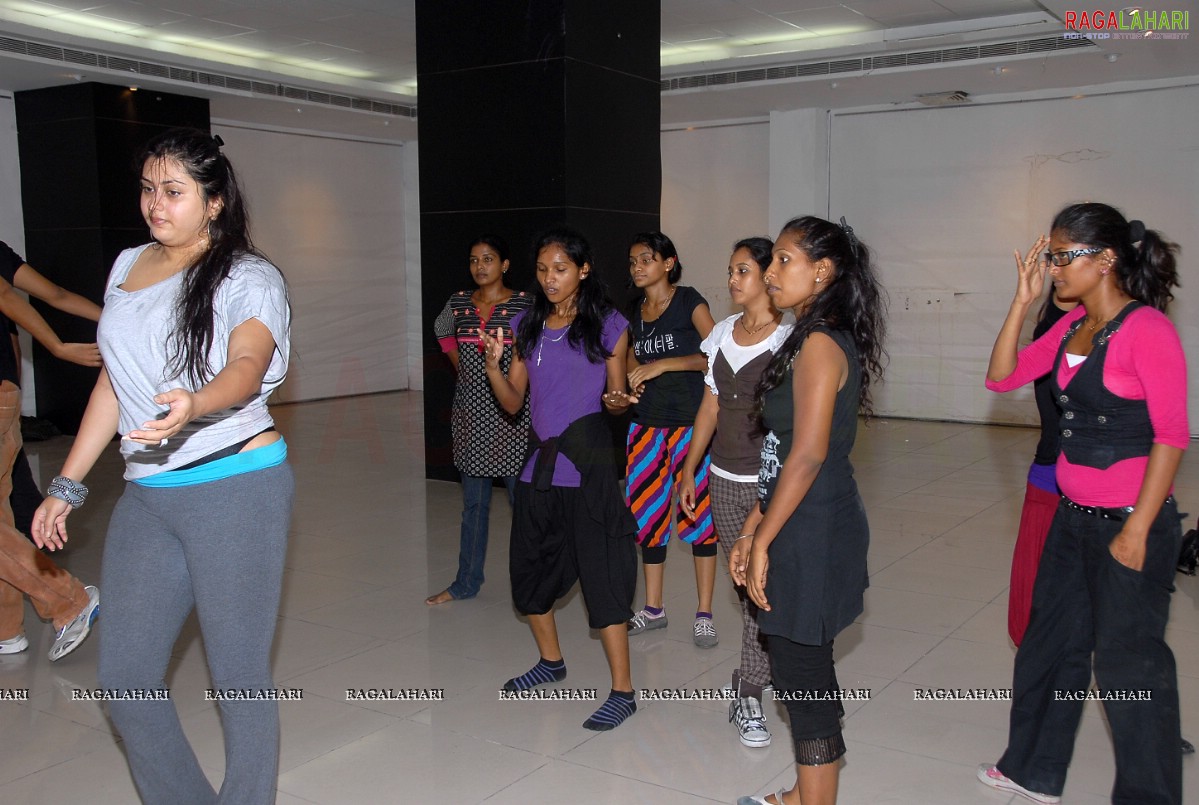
(217, 547)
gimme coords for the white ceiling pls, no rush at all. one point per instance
(365, 49)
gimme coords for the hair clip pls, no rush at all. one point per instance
(216, 138)
(848, 230)
(1136, 231)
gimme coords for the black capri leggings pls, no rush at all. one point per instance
(804, 677)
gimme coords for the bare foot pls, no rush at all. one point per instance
(440, 598)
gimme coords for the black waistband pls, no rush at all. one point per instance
(224, 452)
(1117, 514)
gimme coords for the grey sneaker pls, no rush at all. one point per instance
(747, 715)
(70, 636)
(14, 645)
(705, 633)
(643, 622)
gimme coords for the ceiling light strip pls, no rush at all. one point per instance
(890, 61)
(44, 52)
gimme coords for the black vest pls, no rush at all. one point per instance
(1099, 428)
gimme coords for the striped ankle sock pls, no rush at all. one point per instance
(613, 712)
(543, 672)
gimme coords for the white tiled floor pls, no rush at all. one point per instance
(372, 538)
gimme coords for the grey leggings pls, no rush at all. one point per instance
(217, 547)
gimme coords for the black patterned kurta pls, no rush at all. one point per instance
(488, 442)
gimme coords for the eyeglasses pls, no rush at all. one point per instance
(1067, 257)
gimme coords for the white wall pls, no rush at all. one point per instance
(715, 191)
(416, 372)
(944, 196)
(331, 213)
(12, 230)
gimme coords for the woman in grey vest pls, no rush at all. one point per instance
(738, 349)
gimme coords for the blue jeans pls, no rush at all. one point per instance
(472, 552)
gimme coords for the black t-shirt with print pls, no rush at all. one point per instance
(671, 399)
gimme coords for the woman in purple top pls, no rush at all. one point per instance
(570, 523)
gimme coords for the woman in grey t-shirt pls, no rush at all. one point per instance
(194, 337)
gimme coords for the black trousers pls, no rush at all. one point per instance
(805, 676)
(26, 497)
(1089, 611)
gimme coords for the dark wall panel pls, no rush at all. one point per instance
(494, 139)
(79, 193)
(531, 115)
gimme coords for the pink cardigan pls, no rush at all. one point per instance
(1144, 362)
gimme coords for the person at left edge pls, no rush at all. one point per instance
(56, 595)
(16, 273)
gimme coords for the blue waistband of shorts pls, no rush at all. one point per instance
(260, 458)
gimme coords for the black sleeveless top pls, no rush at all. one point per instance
(1047, 411)
(1099, 428)
(818, 578)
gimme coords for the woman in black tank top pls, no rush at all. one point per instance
(805, 563)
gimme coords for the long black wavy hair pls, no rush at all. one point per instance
(199, 154)
(592, 304)
(853, 300)
(1146, 267)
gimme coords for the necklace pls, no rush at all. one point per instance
(1092, 327)
(661, 306)
(543, 339)
(772, 320)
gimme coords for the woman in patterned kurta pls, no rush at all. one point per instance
(488, 442)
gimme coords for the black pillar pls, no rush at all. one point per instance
(79, 194)
(531, 114)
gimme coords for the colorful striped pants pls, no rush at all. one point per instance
(655, 461)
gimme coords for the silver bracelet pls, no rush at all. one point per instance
(67, 490)
(744, 536)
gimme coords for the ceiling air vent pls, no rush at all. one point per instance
(951, 98)
(43, 52)
(889, 61)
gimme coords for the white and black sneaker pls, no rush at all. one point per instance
(747, 714)
(70, 636)
(704, 633)
(643, 621)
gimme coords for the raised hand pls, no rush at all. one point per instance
(1030, 272)
(493, 346)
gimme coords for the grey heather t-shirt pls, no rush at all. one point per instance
(134, 331)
